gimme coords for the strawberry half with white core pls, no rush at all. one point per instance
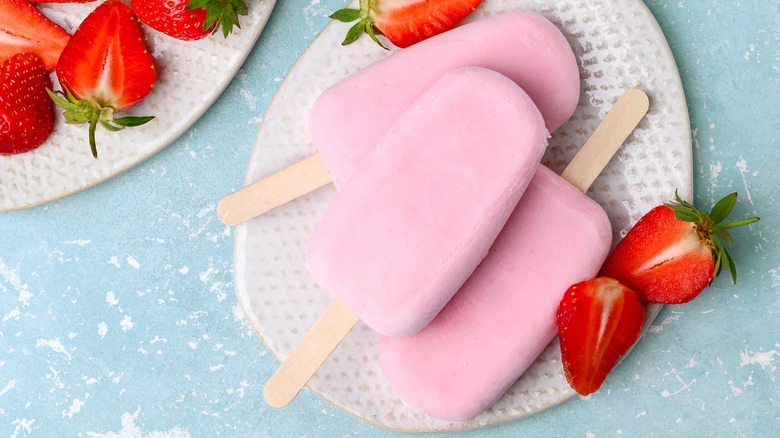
(105, 68)
(598, 322)
(26, 113)
(675, 251)
(190, 20)
(24, 29)
(404, 22)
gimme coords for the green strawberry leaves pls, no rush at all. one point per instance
(365, 23)
(89, 111)
(712, 229)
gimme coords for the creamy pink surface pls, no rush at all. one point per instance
(504, 315)
(348, 118)
(421, 212)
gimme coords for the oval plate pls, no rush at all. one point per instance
(190, 77)
(618, 45)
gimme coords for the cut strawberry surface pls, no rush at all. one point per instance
(404, 22)
(23, 29)
(105, 68)
(675, 251)
(26, 114)
(598, 322)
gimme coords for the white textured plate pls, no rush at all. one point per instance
(190, 76)
(618, 45)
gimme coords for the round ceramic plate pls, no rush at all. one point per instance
(618, 45)
(190, 76)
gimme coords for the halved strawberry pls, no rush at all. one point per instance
(675, 251)
(404, 22)
(190, 19)
(598, 322)
(26, 114)
(105, 68)
(23, 29)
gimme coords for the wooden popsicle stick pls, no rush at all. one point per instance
(337, 320)
(307, 357)
(617, 125)
(270, 192)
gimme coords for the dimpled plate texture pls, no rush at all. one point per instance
(190, 76)
(618, 46)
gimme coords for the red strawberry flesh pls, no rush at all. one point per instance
(598, 322)
(24, 29)
(663, 259)
(106, 60)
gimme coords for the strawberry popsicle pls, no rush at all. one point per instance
(504, 315)
(348, 118)
(351, 116)
(421, 212)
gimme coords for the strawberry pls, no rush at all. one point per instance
(190, 19)
(404, 22)
(105, 68)
(26, 114)
(675, 251)
(24, 29)
(598, 322)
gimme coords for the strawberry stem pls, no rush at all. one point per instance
(93, 121)
(87, 110)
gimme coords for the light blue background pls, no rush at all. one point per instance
(118, 315)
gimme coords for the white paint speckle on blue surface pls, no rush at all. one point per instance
(117, 312)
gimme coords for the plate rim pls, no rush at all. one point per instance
(651, 312)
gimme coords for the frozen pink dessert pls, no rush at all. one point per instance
(426, 204)
(351, 116)
(504, 315)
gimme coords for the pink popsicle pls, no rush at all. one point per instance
(504, 315)
(351, 116)
(422, 211)
(348, 118)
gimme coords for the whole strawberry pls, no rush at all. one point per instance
(404, 22)
(105, 68)
(190, 19)
(26, 114)
(675, 251)
(598, 322)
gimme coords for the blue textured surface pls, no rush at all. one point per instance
(118, 315)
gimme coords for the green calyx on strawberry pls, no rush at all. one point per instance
(403, 22)
(105, 68)
(598, 321)
(220, 14)
(191, 20)
(26, 114)
(90, 111)
(675, 251)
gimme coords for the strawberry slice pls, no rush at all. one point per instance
(105, 68)
(190, 20)
(26, 113)
(24, 29)
(598, 322)
(675, 251)
(404, 22)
